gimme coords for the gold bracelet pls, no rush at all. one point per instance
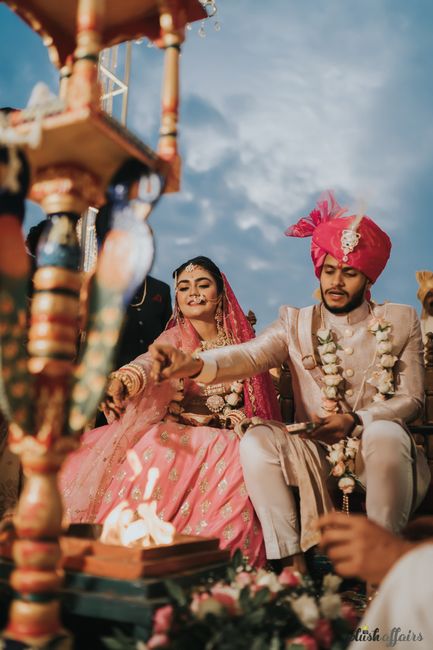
(132, 376)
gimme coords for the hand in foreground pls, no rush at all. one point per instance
(115, 399)
(331, 429)
(171, 363)
(358, 547)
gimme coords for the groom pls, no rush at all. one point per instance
(357, 370)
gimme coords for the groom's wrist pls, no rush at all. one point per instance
(206, 371)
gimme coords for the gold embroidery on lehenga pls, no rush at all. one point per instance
(219, 446)
(246, 516)
(203, 469)
(108, 497)
(204, 486)
(228, 532)
(184, 439)
(205, 506)
(243, 490)
(148, 453)
(222, 486)
(199, 527)
(226, 510)
(173, 474)
(164, 435)
(184, 509)
(136, 494)
(157, 494)
(220, 466)
(170, 455)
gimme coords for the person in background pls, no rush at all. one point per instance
(425, 296)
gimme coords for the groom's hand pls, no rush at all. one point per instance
(332, 428)
(171, 363)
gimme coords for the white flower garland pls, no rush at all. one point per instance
(342, 454)
(383, 377)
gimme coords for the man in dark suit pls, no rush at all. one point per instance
(145, 319)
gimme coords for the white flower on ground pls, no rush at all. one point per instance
(331, 582)
(269, 579)
(203, 604)
(330, 605)
(306, 610)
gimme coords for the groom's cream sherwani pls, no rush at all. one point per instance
(395, 473)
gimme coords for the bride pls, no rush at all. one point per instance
(183, 428)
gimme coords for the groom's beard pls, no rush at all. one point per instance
(356, 301)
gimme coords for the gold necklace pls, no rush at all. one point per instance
(138, 304)
(221, 340)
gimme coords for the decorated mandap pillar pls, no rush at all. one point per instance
(172, 24)
(39, 438)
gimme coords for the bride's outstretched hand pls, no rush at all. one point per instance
(115, 399)
(171, 363)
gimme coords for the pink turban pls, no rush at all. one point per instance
(353, 240)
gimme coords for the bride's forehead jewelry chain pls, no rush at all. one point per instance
(191, 267)
(350, 238)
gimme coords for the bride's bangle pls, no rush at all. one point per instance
(132, 376)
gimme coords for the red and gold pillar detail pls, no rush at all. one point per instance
(172, 23)
(83, 88)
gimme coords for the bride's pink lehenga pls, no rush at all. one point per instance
(200, 487)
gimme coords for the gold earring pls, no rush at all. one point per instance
(219, 317)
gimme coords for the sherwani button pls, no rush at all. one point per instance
(348, 350)
(349, 372)
(348, 332)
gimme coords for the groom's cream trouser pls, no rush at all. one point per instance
(385, 465)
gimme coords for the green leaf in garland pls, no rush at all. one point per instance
(176, 592)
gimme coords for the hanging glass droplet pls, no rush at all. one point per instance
(202, 31)
(217, 26)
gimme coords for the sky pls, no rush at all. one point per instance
(286, 100)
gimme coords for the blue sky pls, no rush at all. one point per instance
(287, 100)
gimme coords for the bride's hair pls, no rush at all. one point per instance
(204, 263)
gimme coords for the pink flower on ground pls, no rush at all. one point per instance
(302, 641)
(158, 641)
(323, 633)
(227, 597)
(288, 578)
(203, 604)
(162, 619)
(349, 614)
(244, 579)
